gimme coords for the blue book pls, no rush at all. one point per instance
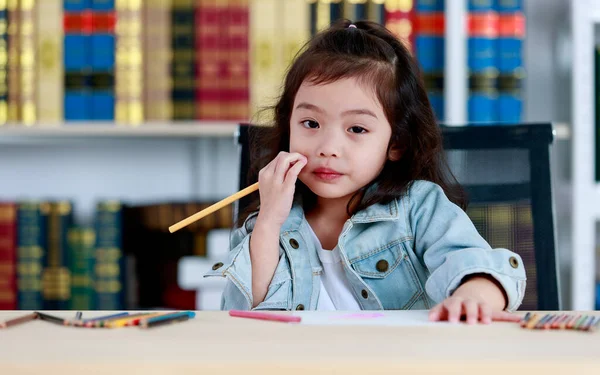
(76, 5)
(103, 5)
(430, 5)
(430, 53)
(509, 6)
(31, 254)
(102, 106)
(509, 54)
(110, 262)
(77, 100)
(481, 54)
(481, 5)
(483, 97)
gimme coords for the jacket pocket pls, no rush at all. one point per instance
(389, 272)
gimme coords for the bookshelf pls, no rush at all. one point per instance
(585, 17)
(169, 130)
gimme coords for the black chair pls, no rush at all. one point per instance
(505, 170)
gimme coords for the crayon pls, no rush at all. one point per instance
(51, 318)
(265, 316)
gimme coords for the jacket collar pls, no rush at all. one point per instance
(374, 213)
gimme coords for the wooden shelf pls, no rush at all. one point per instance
(182, 129)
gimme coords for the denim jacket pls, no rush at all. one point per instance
(409, 254)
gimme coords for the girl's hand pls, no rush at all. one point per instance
(277, 181)
(456, 308)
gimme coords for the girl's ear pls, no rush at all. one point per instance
(396, 153)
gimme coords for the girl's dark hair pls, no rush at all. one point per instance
(373, 55)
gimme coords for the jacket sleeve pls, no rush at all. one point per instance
(449, 245)
(237, 294)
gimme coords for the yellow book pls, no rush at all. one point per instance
(266, 64)
(50, 69)
(296, 28)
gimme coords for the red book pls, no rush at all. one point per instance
(483, 25)
(78, 23)
(511, 25)
(236, 94)
(8, 256)
(207, 60)
(103, 22)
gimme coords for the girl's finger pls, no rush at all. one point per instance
(471, 310)
(485, 313)
(504, 316)
(435, 313)
(283, 165)
(292, 173)
(454, 307)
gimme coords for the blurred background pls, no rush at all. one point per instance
(118, 119)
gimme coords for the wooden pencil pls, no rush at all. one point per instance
(126, 320)
(215, 207)
(548, 324)
(532, 321)
(19, 320)
(543, 320)
(557, 323)
(571, 323)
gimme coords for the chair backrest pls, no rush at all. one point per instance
(505, 170)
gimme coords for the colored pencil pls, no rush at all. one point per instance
(104, 322)
(584, 320)
(532, 321)
(51, 318)
(595, 325)
(572, 321)
(557, 323)
(541, 322)
(136, 321)
(19, 320)
(84, 322)
(166, 319)
(550, 322)
(525, 318)
(579, 322)
(265, 316)
(126, 320)
(588, 323)
(78, 315)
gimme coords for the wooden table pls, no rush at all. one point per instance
(214, 342)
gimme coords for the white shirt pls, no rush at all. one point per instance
(336, 293)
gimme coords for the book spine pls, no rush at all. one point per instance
(266, 65)
(183, 69)
(323, 14)
(31, 253)
(235, 102)
(81, 256)
(376, 11)
(28, 60)
(102, 61)
(157, 60)
(4, 62)
(296, 27)
(482, 30)
(356, 10)
(8, 245)
(14, 76)
(209, 41)
(429, 48)
(109, 276)
(56, 278)
(50, 70)
(76, 60)
(129, 70)
(509, 46)
(400, 20)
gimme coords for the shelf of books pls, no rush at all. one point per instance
(190, 68)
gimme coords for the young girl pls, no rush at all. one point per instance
(358, 209)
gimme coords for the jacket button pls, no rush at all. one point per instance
(216, 266)
(294, 243)
(382, 265)
(300, 307)
(514, 263)
(364, 294)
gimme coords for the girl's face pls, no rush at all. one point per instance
(342, 130)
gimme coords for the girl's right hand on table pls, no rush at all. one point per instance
(277, 181)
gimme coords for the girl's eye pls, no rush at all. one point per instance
(310, 124)
(357, 130)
